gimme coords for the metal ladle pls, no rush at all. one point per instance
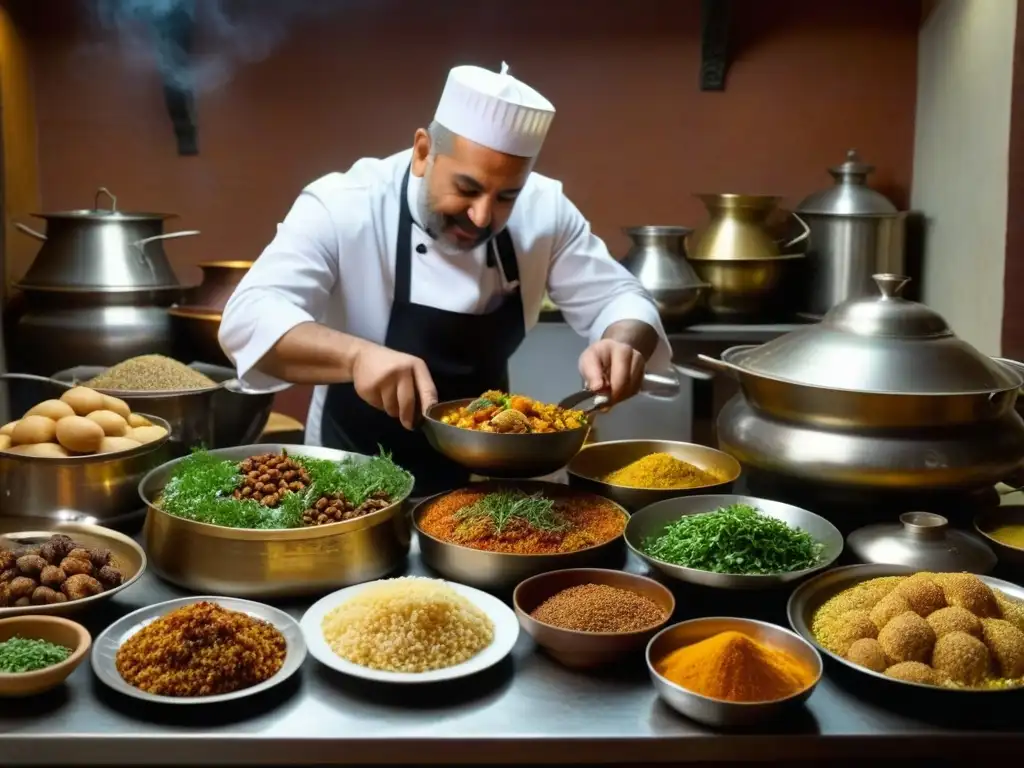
(656, 385)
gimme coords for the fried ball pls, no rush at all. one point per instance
(79, 553)
(1006, 643)
(953, 618)
(31, 565)
(914, 672)
(961, 657)
(966, 590)
(852, 626)
(99, 557)
(52, 576)
(73, 565)
(109, 577)
(22, 586)
(7, 559)
(46, 596)
(56, 549)
(866, 652)
(79, 586)
(9, 575)
(907, 637)
(923, 594)
(888, 608)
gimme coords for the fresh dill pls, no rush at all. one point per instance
(201, 489)
(503, 507)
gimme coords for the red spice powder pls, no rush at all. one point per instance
(590, 521)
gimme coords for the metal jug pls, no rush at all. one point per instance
(657, 259)
(737, 229)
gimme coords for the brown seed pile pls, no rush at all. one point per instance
(150, 373)
(335, 508)
(599, 608)
(201, 650)
(947, 629)
(56, 571)
(267, 477)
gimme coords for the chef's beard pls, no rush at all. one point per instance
(439, 224)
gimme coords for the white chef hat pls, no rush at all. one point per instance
(495, 110)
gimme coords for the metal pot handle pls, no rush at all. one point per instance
(141, 244)
(29, 231)
(108, 193)
(721, 365)
(799, 238)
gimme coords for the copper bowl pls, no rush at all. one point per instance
(220, 278)
(195, 334)
(52, 629)
(585, 650)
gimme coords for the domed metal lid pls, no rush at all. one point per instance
(924, 541)
(851, 196)
(879, 344)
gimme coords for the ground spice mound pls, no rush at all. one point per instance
(150, 373)
(599, 608)
(201, 650)
(588, 521)
(660, 470)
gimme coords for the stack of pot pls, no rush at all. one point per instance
(197, 323)
(657, 259)
(880, 396)
(97, 292)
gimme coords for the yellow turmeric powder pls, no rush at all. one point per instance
(660, 470)
(733, 667)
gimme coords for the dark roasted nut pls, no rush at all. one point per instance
(26, 550)
(80, 586)
(22, 586)
(7, 559)
(74, 565)
(31, 565)
(52, 576)
(9, 575)
(44, 596)
(52, 551)
(110, 577)
(99, 557)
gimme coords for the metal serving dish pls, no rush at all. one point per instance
(811, 595)
(987, 521)
(124, 551)
(244, 562)
(585, 650)
(499, 571)
(222, 416)
(651, 521)
(500, 455)
(89, 489)
(727, 714)
(598, 459)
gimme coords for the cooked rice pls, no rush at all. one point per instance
(409, 624)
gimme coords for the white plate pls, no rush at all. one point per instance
(506, 632)
(104, 648)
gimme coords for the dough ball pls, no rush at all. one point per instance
(117, 405)
(147, 434)
(116, 444)
(112, 423)
(34, 429)
(44, 450)
(79, 434)
(8, 428)
(138, 420)
(51, 409)
(83, 400)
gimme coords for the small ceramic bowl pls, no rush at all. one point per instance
(584, 650)
(55, 630)
(717, 712)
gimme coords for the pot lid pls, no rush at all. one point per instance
(923, 541)
(879, 344)
(105, 214)
(851, 196)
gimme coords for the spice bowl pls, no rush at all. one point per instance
(720, 713)
(586, 650)
(52, 629)
(987, 522)
(597, 460)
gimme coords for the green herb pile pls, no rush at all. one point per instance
(202, 486)
(20, 654)
(737, 539)
(504, 507)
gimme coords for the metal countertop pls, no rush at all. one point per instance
(526, 710)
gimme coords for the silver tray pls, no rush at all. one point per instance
(104, 648)
(812, 594)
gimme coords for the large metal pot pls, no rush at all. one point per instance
(657, 259)
(102, 249)
(880, 394)
(855, 233)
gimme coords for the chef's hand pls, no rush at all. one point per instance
(394, 382)
(614, 367)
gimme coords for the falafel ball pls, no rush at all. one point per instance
(866, 652)
(853, 626)
(7, 559)
(888, 608)
(907, 637)
(961, 657)
(923, 594)
(1006, 644)
(914, 672)
(953, 618)
(968, 591)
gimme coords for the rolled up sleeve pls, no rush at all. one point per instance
(592, 289)
(289, 284)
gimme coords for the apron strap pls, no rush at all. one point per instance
(403, 252)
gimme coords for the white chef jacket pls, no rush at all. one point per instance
(333, 258)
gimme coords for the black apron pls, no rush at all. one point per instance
(466, 354)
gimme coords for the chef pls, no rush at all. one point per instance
(412, 279)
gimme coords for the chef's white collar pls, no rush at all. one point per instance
(413, 198)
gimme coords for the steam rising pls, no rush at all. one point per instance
(232, 33)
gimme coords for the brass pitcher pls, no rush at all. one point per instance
(738, 229)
